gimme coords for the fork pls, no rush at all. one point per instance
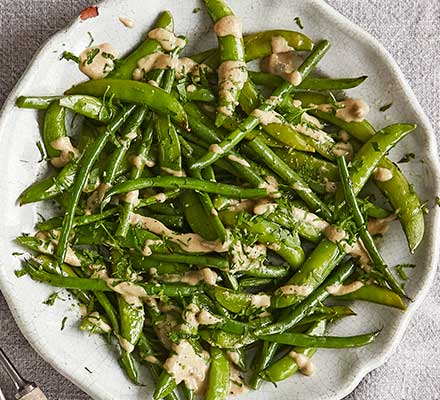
(25, 390)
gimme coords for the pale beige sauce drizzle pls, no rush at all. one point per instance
(280, 45)
(260, 300)
(303, 290)
(238, 385)
(353, 110)
(267, 117)
(67, 151)
(238, 160)
(309, 218)
(95, 319)
(190, 242)
(382, 174)
(215, 148)
(228, 26)
(283, 65)
(305, 365)
(232, 76)
(173, 172)
(264, 205)
(341, 290)
(193, 277)
(95, 199)
(167, 39)
(100, 66)
(127, 22)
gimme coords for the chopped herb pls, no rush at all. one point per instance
(90, 372)
(437, 200)
(406, 158)
(50, 301)
(196, 10)
(91, 39)
(17, 254)
(385, 107)
(91, 56)
(375, 146)
(298, 22)
(63, 323)
(400, 269)
(67, 55)
(181, 89)
(108, 55)
(20, 272)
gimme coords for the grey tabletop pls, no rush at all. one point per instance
(410, 30)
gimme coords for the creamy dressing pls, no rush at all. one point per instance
(204, 317)
(127, 22)
(233, 356)
(153, 61)
(303, 290)
(317, 134)
(95, 319)
(357, 250)
(125, 344)
(238, 386)
(345, 137)
(335, 234)
(260, 300)
(267, 117)
(232, 76)
(126, 288)
(66, 149)
(215, 148)
(173, 172)
(146, 251)
(229, 26)
(161, 197)
(190, 242)
(264, 205)
(284, 65)
(238, 160)
(330, 186)
(152, 360)
(280, 45)
(168, 40)
(340, 290)
(164, 327)
(101, 64)
(271, 185)
(352, 110)
(382, 174)
(131, 197)
(379, 226)
(343, 149)
(188, 365)
(95, 199)
(312, 120)
(309, 218)
(71, 258)
(193, 278)
(305, 365)
(244, 257)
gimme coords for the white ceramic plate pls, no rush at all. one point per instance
(88, 361)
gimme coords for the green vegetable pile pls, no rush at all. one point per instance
(203, 222)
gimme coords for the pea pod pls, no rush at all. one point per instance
(54, 128)
(36, 102)
(136, 93)
(89, 106)
(218, 381)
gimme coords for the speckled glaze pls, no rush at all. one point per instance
(89, 361)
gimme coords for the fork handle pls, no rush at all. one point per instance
(35, 394)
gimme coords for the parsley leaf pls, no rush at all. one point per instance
(385, 107)
(63, 323)
(91, 56)
(196, 10)
(437, 200)
(67, 55)
(407, 158)
(298, 22)
(91, 39)
(376, 146)
(400, 269)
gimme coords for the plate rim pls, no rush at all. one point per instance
(367, 39)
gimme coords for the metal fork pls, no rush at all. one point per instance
(25, 390)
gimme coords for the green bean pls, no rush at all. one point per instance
(269, 80)
(252, 122)
(36, 102)
(218, 381)
(266, 354)
(89, 106)
(328, 342)
(164, 386)
(366, 237)
(125, 67)
(91, 153)
(294, 315)
(135, 92)
(187, 183)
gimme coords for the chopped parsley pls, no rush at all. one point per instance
(437, 200)
(91, 56)
(20, 272)
(196, 10)
(91, 39)
(298, 22)
(17, 254)
(50, 301)
(181, 89)
(375, 146)
(400, 269)
(407, 158)
(385, 107)
(63, 323)
(108, 55)
(67, 55)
